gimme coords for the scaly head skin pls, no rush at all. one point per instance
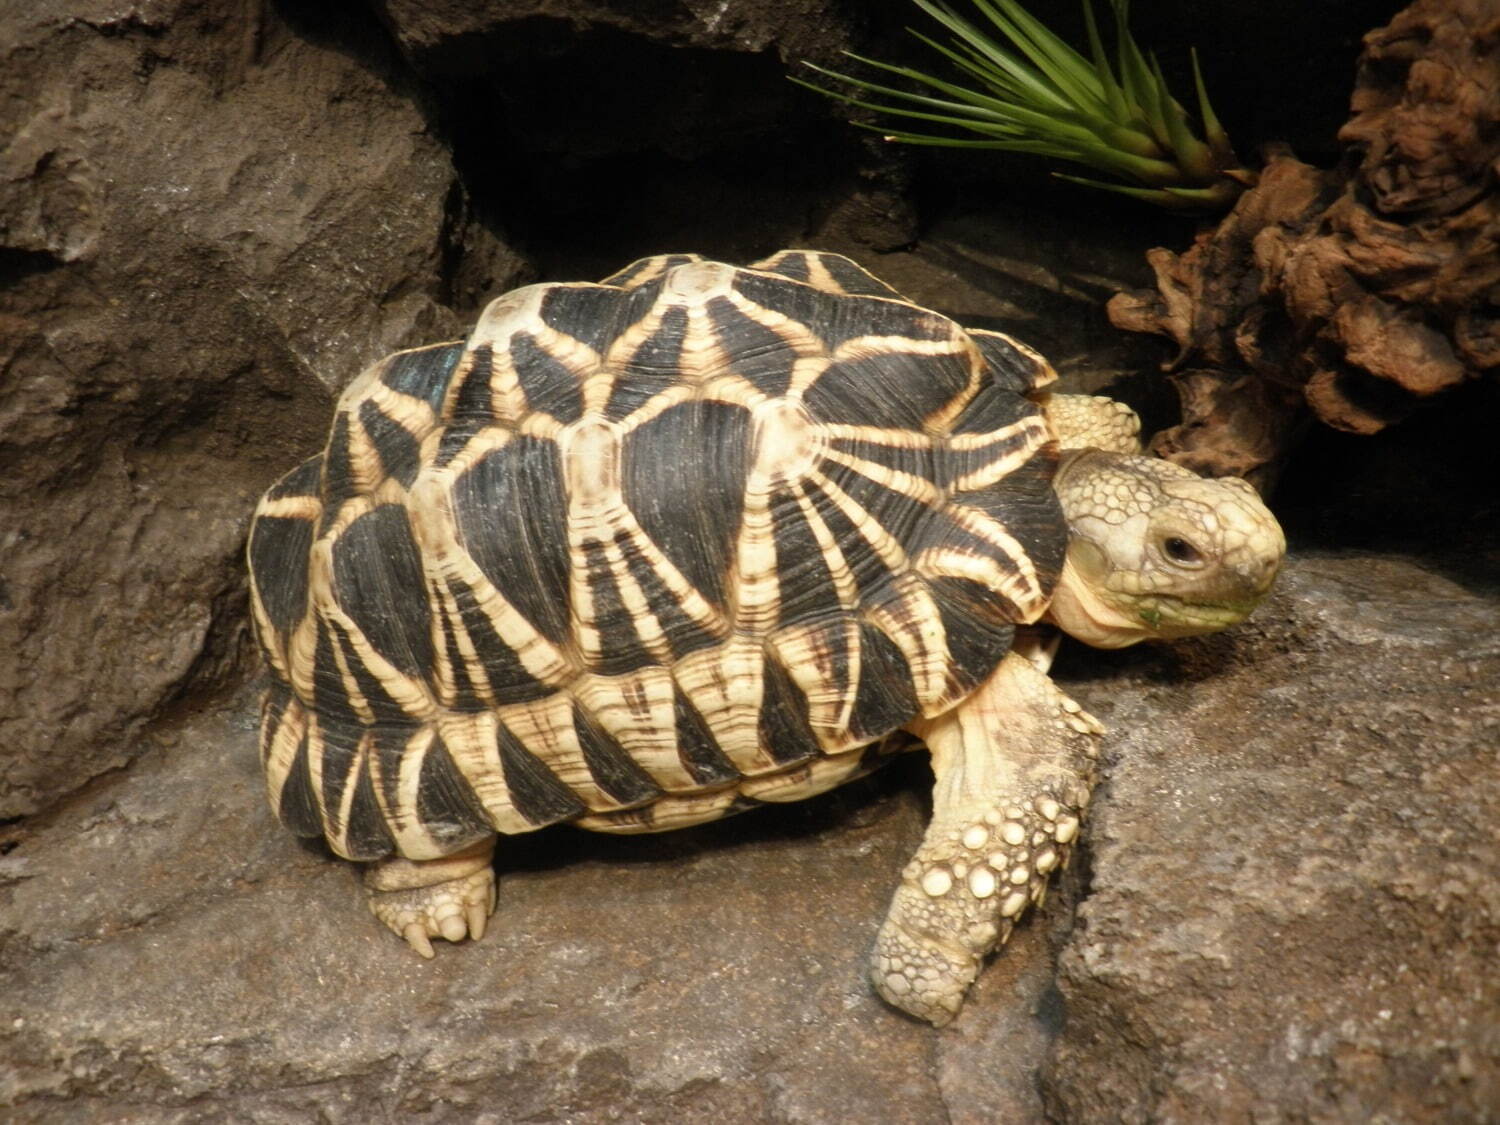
(1157, 551)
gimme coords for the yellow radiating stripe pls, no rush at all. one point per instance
(878, 435)
(1032, 435)
(918, 488)
(911, 621)
(808, 655)
(308, 508)
(599, 387)
(754, 592)
(636, 710)
(1023, 588)
(833, 556)
(725, 685)
(413, 839)
(283, 750)
(471, 738)
(882, 542)
(339, 842)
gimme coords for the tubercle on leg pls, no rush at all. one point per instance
(1014, 767)
(960, 898)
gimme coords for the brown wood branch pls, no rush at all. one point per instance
(1353, 294)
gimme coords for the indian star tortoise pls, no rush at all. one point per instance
(644, 553)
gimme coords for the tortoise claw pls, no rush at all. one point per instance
(453, 905)
(416, 937)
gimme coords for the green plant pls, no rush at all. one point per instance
(1044, 97)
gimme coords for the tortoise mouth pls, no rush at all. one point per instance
(1169, 616)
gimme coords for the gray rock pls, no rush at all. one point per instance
(207, 225)
(1291, 910)
(1294, 904)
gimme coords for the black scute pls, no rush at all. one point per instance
(697, 749)
(474, 398)
(366, 836)
(652, 368)
(992, 408)
(549, 385)
(915, 461)
(535, 791)
(872, 577)
(856, 280)
(620, 646)
(952, 464)
(784, 730)
(279, 553)
(899, 514)
(758, 354)
(297, 807)
(978, 637)
(398, 449)
(338, 471)
(341, 762)
(1025, 503)
(383, 708)
(273, 709)
(807, 589)
(683, 634)
(886, 698)
(894, 388)
(510, 682)
(610, 764)
(1010, 368)
(330, 696)
(511, 510)
(305, 480)
(465, 693)
(793, 266)
(684, 479)
(377, 579)
(588, 313)
(423, 373)
(447, 805)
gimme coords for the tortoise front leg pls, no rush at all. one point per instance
(1014, 764)
(420, 899)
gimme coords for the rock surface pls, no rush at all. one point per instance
(182, 287)
(1291, 910)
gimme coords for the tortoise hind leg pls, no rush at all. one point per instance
(451, 897)
(1013, 764)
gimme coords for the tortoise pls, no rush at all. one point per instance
(644, 553)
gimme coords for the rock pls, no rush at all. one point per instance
(195, 261)
(1290, 911)
(1293, 911)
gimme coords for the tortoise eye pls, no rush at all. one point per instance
(1181, 551)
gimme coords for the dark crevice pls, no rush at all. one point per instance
(17, 265)
(599, 146)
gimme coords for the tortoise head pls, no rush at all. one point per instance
(1156, 551)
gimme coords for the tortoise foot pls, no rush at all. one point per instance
(449, 898)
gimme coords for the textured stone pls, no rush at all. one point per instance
(208, 223)
(1291, 910)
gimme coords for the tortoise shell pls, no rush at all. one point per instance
(641, 553)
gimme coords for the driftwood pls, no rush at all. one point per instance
(1349, 295)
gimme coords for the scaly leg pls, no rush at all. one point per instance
(420, 899)
(1014, 764)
